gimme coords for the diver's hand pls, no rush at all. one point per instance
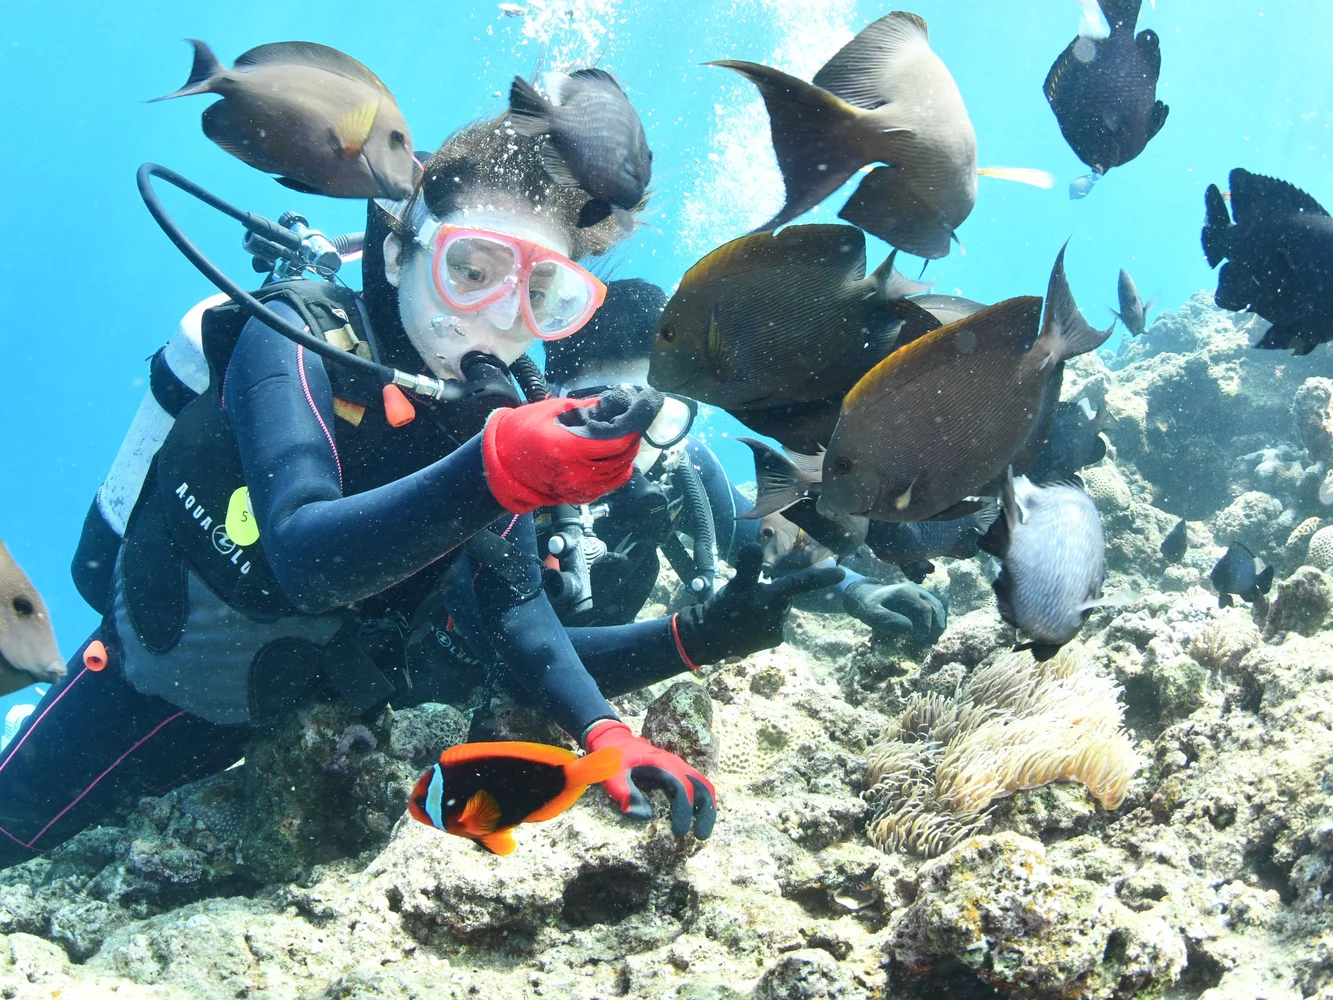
(746, 616)
(693, 800)
(896, 609)
(564, 450)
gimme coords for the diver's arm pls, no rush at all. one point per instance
(624, 658)
(326, 549)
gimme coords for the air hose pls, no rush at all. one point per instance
(700, 526)
(422, 385)
(530, 378)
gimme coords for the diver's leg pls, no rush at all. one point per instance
(93, 743)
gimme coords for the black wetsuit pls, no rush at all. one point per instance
(379, 541)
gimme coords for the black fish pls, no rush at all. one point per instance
(1075, 441)
(595, 139)
(1237, 572)
(1279, 258)
(1176, 543)
(1133, 310)
(911, 545)
(1104, 92)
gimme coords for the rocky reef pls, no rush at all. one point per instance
(1203, 871)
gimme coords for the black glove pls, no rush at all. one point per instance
(896, 609)
(746, 616)
(622, 410)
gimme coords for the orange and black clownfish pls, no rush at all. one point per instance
(484, 790)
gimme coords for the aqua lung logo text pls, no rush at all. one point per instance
(222, 542)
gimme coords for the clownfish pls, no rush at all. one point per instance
(483, 790)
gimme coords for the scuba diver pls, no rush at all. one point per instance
(275, 528)
(604, 563)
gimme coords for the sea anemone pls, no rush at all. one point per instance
(1014, 725)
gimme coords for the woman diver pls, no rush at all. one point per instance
(294, 521)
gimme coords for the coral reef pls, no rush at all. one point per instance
(1204, 875)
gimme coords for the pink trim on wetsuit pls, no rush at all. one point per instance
(153, 732)
(15, 749)
(680, 647)
(305, 386)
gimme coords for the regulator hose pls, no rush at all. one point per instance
(530, 378)
(700, 525)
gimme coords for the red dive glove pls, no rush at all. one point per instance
(693, 800)
(565, 450)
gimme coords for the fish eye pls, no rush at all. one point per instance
(397, 138)
(22, 606)
(842, 464)
(667, 334)
(765, 533)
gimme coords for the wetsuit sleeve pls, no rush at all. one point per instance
(326, 549)
(624, 658)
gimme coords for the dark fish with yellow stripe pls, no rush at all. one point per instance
(311, 114)
(935, 421)
(483, 790)
(770, 320)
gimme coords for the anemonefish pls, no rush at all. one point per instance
(484, 790)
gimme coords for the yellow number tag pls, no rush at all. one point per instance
(241, 525)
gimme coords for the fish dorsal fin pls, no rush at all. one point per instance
(856, 73)
(311, 54)
(1052, 85)
(594, 75)
(917, 322)
(352, 127)
(500, 842)
(479, 815)
(810, 465)
(541, 753)
(793, 245)
(779, 481)
(1254, 196)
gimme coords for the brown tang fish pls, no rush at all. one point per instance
(317, 117)
(885, 97)
(483, 790)
(768, 320)
(28, 653)
(935, 421)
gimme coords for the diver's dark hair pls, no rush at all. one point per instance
(621, 330)
(487, 164)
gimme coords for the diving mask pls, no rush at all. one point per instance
(474, 269)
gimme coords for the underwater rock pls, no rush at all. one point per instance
(681, 720)
(1248, 520)
(1312, 413)
(1107, 487)
(993, 912)
(968, 640)
(807, 974)
(1300, 603)
(1320, 551)
(420, 734)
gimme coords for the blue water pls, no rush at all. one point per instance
(89, 287)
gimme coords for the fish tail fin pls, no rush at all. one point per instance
(1064, 332)
(1121, 15)
(891, 284)
(805, 123)
(1030, 176)
(1264, 582)
(779, 481)
(529, 112)
(1224, 600)
(1217, 228)
(203, 73)
(594, 768)
(590, 769)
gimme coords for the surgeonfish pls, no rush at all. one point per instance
(1237, 572)
(309, 113)
(1176, 543)
(938, 419)
(1104, 93)
(595, 139)
(789, 483)
(1279, 257)
(1133, 310)
(483, 790)
(774, 319)
(1053, 561)
(28, 652)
